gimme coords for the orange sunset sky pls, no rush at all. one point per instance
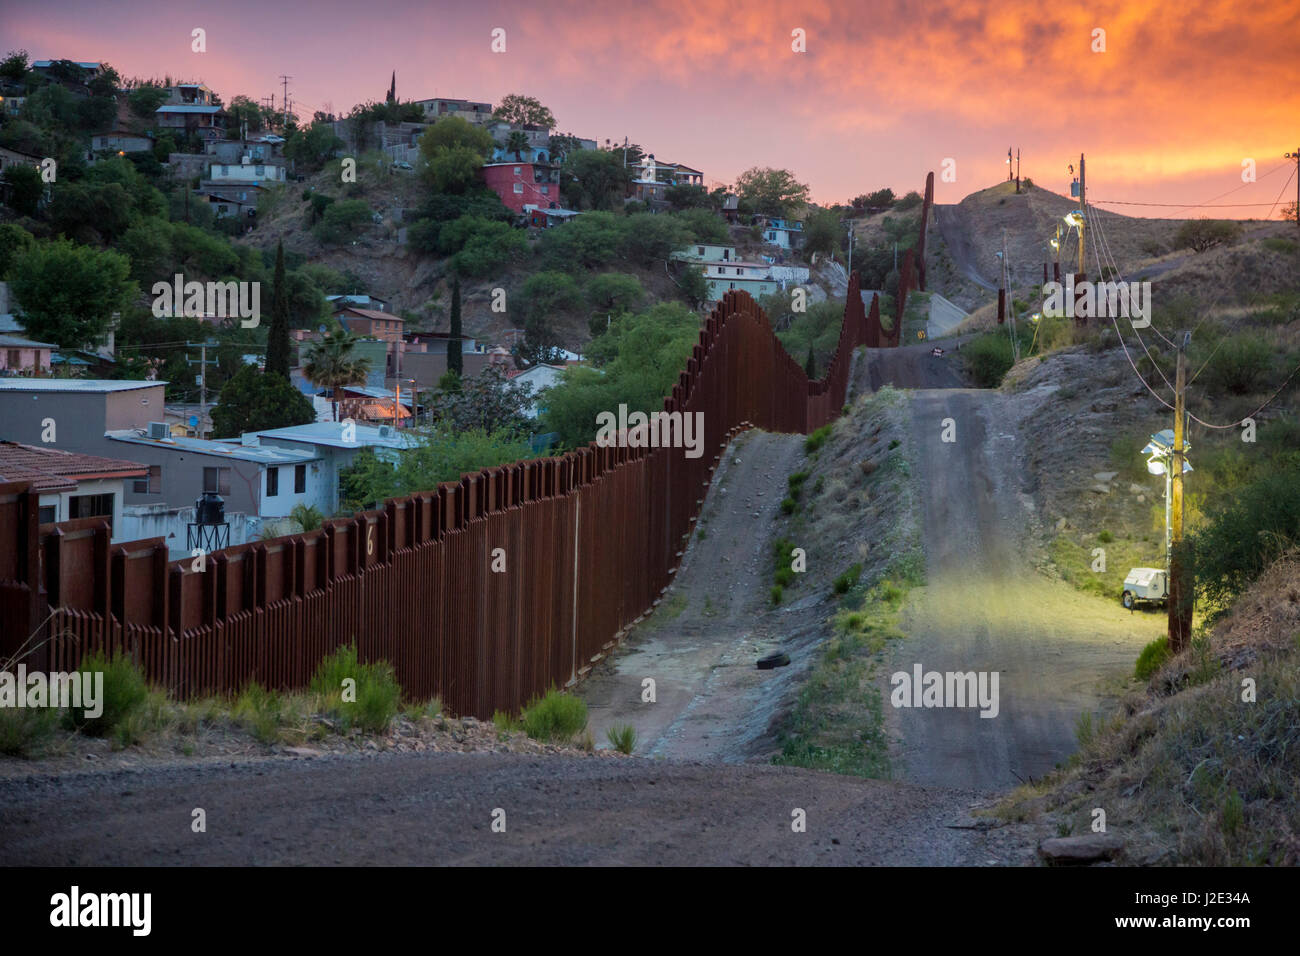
(885, 92)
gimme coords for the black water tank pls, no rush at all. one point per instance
(210, 509)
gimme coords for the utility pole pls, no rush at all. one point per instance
(1009, 298)
(1017, 169)
(1295, 156)
(203, 364)
(1009, 169)
(1083, 210)
(1180, 584)
(285, 80)
(850, 270)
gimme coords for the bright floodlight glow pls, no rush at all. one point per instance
(1155, 466)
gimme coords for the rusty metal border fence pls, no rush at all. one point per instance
(910, 276)
(591, 539)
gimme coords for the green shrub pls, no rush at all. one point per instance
(378, 695)
(1243, 534)
(818, 438)
(796, 482)
(1152, 658)
(506, 722)
(25, 730)
(1237, 364)
(784, 577)
(622, 738)
(988, 358)
(1105, 537)
(1278, 244)
(124, 691)
(259, 711)
(848, 579)
(788, 505)
(776, 592)
(555, 718)
(1201, 234)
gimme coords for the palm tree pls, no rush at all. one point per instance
(333, 363)
(516, 143)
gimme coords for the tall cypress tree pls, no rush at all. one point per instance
(810, 366)
(454, 361)
(277, 340)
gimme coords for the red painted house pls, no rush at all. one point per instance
(524, 184)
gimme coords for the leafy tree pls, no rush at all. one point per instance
(688, 196)
(589, 241)
(647, 239)
(523, 111)
(772, 192)
(342, 220)
(440, 455)
(563, 145)
(68, 293)
(611, 292)
(694, 286)
(1245, 531)
(453, 170)
(455, 360)
(487, 248)
(311, 147)
(25, 188)
(242, 113)
(595, 179)
(145, 99)
(148, 245)
(822, 232)
(15, 65)
(333, 363)
(704, 226)
(910, 201)
(1202, 234)
(880, 199)
(641, 356)
(488, 402)
(452, 131)
(252, 401)
(14, 240)
(277, 337)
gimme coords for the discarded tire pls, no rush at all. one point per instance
(773, 660)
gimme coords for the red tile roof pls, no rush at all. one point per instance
(51, 469)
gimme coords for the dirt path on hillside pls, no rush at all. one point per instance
(956, 237)
(701, 644)
(1058, 652)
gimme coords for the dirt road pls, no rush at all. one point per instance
(1057, 651)
(438, 809)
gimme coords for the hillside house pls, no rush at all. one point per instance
(471, 111)
(783, 233)
(20, 355)
(120, 141)
(71, 484)
(521, 184)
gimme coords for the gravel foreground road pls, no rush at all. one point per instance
(438, 809)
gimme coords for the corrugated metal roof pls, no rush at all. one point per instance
(268, 455)
(101, 385)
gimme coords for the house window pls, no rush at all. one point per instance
(701, 248)
(546, 190)
(519, 188)
(151, 484)
(216, 480)
(15, 359)
(259, 170)
(733, 285)
(48, 514)
(517, 169)
(90, 506)
(272, 482)
(299, 479)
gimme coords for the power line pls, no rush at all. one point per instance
(1190, 205)
(1208, 202)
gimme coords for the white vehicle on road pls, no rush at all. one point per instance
(1145, 584)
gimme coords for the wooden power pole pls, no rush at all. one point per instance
(1083, 210)
(1180, 580)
